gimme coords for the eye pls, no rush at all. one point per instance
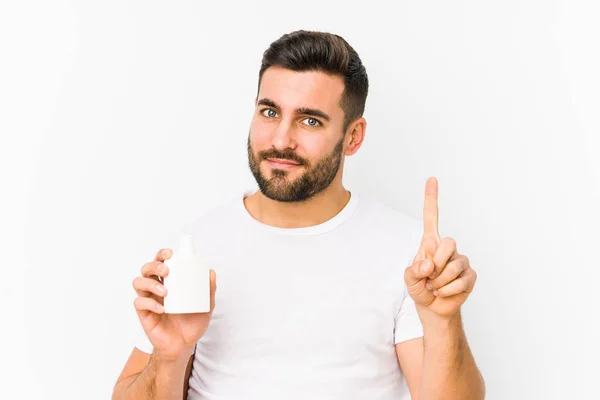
(312, 122)
(270, 113)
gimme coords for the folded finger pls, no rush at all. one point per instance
(155, 270)
(148, 304)
(461, 285)
(145, 287)
(417, 271)
(444, 253)
(452, 270)
(163, 254)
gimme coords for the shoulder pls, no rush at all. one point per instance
(379, 217)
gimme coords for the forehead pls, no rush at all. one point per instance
(292, 89)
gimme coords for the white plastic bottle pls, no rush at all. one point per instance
(188, 281)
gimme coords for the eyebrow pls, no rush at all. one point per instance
(302, 110)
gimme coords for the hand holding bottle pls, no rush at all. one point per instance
(172, 335)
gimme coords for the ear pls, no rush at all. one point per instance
(355, 136)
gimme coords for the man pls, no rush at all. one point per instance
(323, 293)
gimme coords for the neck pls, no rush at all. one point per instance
(316, 210)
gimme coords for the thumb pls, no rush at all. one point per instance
(419, 270)
(213, 289)
(415, 278)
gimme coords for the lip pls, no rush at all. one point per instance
(279, 163)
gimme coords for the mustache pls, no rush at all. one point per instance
(284, 155)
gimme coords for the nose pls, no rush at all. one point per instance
(283, 136)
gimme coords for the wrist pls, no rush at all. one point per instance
(433, 322)
(180, 357)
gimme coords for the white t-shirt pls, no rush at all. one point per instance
(305, 313)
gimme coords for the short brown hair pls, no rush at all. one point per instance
(327, 52)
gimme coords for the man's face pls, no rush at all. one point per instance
(296, 143)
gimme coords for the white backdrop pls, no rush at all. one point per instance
(121, 119)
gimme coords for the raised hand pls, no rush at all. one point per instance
(439, 279)
(172, 335)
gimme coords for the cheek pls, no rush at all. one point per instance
(259, 136)
(315, 147)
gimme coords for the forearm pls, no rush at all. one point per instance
(160, 379)
(449, 369)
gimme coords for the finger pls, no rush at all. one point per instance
(464, 284)
(445, 251)
(452, 271)
(213, 289)
(155, 269)
(145, 287)
(148, 304)
(415, 279)
(427, 249)
(430, 209)
(163, 254)
(417, 272)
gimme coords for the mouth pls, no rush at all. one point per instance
(282, 164)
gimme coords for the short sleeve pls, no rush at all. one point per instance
(407, 324)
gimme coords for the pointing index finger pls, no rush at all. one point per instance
(430, 209)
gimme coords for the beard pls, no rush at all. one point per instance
(314, 180)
